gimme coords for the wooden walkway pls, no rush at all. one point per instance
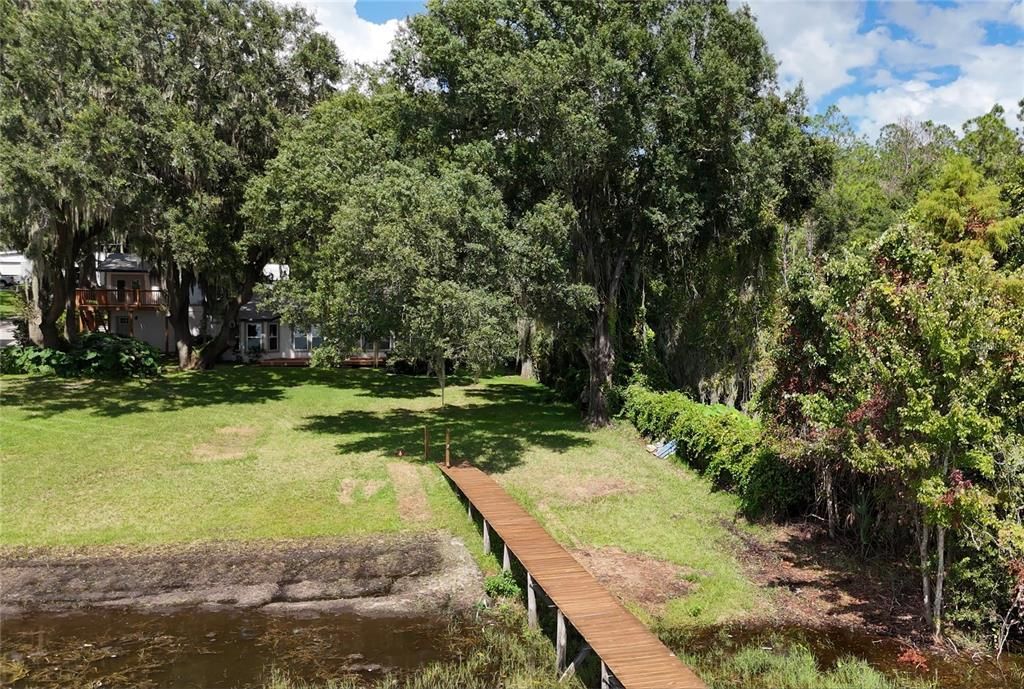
(636, 658)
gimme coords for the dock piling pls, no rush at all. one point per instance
(560, 640)
(531, 601)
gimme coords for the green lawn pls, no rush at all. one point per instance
(10, 303)
(246, 452)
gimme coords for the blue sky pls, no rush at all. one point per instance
(878, 61)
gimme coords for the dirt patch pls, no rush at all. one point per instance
(426, 573)
(635, 578)
(412, 498)
(239, 431)
(372, 487)
(818, 583)
(576, 490)
(212, 452)
(227, 443)
(345, 490)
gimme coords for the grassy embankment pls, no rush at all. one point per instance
(253, 453)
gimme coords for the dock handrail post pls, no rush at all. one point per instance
(560, 639)
(448, 447)
(531, 601)
(506, 559)
(487, 537)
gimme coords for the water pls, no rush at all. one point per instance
(237, 648)
(211, 649)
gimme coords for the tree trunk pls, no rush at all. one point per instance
(441, 375)
(923, 535)
(600, 360)
(830, 501)
(178, 286)
(225, 337)
(526, 327)
(49, 301)
(940, 565)
(940, 576)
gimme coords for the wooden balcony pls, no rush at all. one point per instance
(117, 299)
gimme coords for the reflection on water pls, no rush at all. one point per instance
(207, 648)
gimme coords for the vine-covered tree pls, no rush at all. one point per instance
(650, 119)
(231, 73)
(73, 140)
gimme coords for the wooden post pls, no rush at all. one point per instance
(606, 682)
(426, 444)
(469, 509)
(560, 639)
(487, 537)
(576, 663)
(448, 447)
(531, 601)
(506, 559)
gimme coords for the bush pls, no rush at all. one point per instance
(501, 585)
(327, 355)
(724, 445)
(96, 354)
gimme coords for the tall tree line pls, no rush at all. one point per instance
(144, 122)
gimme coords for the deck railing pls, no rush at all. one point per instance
(117, 298)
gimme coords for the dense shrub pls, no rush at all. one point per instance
(502, 585)
(327, 355)
(96, 354)
(724, 445)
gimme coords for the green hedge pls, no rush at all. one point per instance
(94, 355)
(724, 445)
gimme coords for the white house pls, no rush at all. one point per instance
(14, 268)
(128, 300)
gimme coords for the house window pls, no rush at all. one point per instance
(304, 339)
(272, 337)
(253, 337)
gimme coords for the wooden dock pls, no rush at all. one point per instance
(631, 656)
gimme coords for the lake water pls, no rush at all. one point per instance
(210, 649)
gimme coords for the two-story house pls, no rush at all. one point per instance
(127, 299)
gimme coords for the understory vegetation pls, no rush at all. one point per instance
(93, 355)
(789, 665)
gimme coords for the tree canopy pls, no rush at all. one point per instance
(655, 122)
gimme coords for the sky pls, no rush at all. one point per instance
(878, 61)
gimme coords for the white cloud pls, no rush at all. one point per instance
(1017, 13)
(358, 40)
(815, 42)
(820, 44)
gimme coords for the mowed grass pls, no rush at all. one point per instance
(10, 303)
(253, 453)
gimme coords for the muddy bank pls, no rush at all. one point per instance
(416, 575)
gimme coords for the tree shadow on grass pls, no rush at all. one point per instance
(493, 434)
(43, 397)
